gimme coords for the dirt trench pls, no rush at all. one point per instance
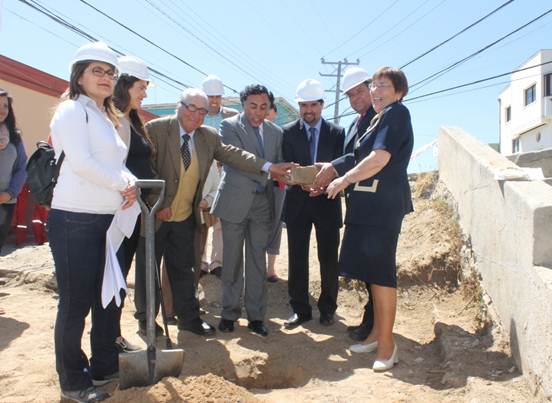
(449, 349)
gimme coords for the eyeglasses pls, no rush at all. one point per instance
(374, 85)
(194, 109)
(99, 72)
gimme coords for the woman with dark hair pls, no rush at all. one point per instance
(375, 180)
(93, 184)
(129, 92)
(12, 164)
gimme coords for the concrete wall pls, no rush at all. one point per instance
(535, 159)
(509, 224)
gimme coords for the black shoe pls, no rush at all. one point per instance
(171, 320)
(217, 271)
(104, 380)
(327, 319)
(198, 326)
(143, 332)
(203, 273)
(91, 394)
(226, 325)
(258, 327)
(296, 320)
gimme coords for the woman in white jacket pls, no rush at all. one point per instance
(93, 183)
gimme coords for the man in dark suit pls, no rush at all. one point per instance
(306, 141)
(356, 82)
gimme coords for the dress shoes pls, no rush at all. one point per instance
(364, 347)
(226, 325)
(327, 319)
(296, 320)
(258, 327)
(360, 333)
(198, 326)
(384, 365)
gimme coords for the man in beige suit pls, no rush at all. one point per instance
(184, 153)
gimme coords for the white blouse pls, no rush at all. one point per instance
(93, 171)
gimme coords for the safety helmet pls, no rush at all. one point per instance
(212, 86)
(354, 76)
(133, 66)
(309, 90)
(95, 51)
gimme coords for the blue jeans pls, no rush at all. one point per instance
(77, 241)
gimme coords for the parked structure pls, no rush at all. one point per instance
(526, 107)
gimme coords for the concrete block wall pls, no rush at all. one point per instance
(509, 224)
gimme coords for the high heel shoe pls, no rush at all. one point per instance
(384, 365)
(364, 348)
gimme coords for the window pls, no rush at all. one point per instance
(515, 145)
(548, 85)
(530, 94)
(508, 111)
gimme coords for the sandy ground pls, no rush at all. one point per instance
(446, 354)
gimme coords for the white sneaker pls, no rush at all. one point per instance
(384, 365)
(364, 348)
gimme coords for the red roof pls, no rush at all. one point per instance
(39, 81)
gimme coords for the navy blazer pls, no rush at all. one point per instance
(295, 148)
(384, 199)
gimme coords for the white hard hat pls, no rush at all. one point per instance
(133, 66)
(354, 76)
(309, 90)
(212, 85)
(95, 51)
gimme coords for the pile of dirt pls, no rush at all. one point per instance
(198, 389)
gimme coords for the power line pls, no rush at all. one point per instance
(380, 44)
(59, 20)
(150, 42)
(237, 66)
(457, 34)
(398, 23)
(457, 63)
(363, 28)
(464, 85)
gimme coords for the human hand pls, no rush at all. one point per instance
(336, 186)
(203, 204)
(281, 171)
(326, 173)
(164, 214)
(5, 197)
(315, 192)
(129, 196)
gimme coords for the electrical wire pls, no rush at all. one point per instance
(473, 24)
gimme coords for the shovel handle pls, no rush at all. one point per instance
(151, 184)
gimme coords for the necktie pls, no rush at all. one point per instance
(185, 151)
(312, 143)
(259, 140)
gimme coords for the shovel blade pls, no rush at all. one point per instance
(133, 367)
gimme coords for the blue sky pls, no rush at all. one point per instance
(280, 43)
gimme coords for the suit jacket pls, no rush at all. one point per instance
(357, 130)
(237, 188)
(165, 135)
(295, 148)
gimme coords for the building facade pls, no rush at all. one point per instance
(526, 107)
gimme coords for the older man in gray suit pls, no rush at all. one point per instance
(244, 203)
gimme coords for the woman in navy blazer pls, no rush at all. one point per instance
(378, 196)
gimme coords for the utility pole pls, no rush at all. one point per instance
(337, 91)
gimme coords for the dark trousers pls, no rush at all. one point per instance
(77, 241)
(6, 215)
(327, 238)
(175, 242)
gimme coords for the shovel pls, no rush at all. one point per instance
(146, 367)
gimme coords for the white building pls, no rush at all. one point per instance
(526, 107)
